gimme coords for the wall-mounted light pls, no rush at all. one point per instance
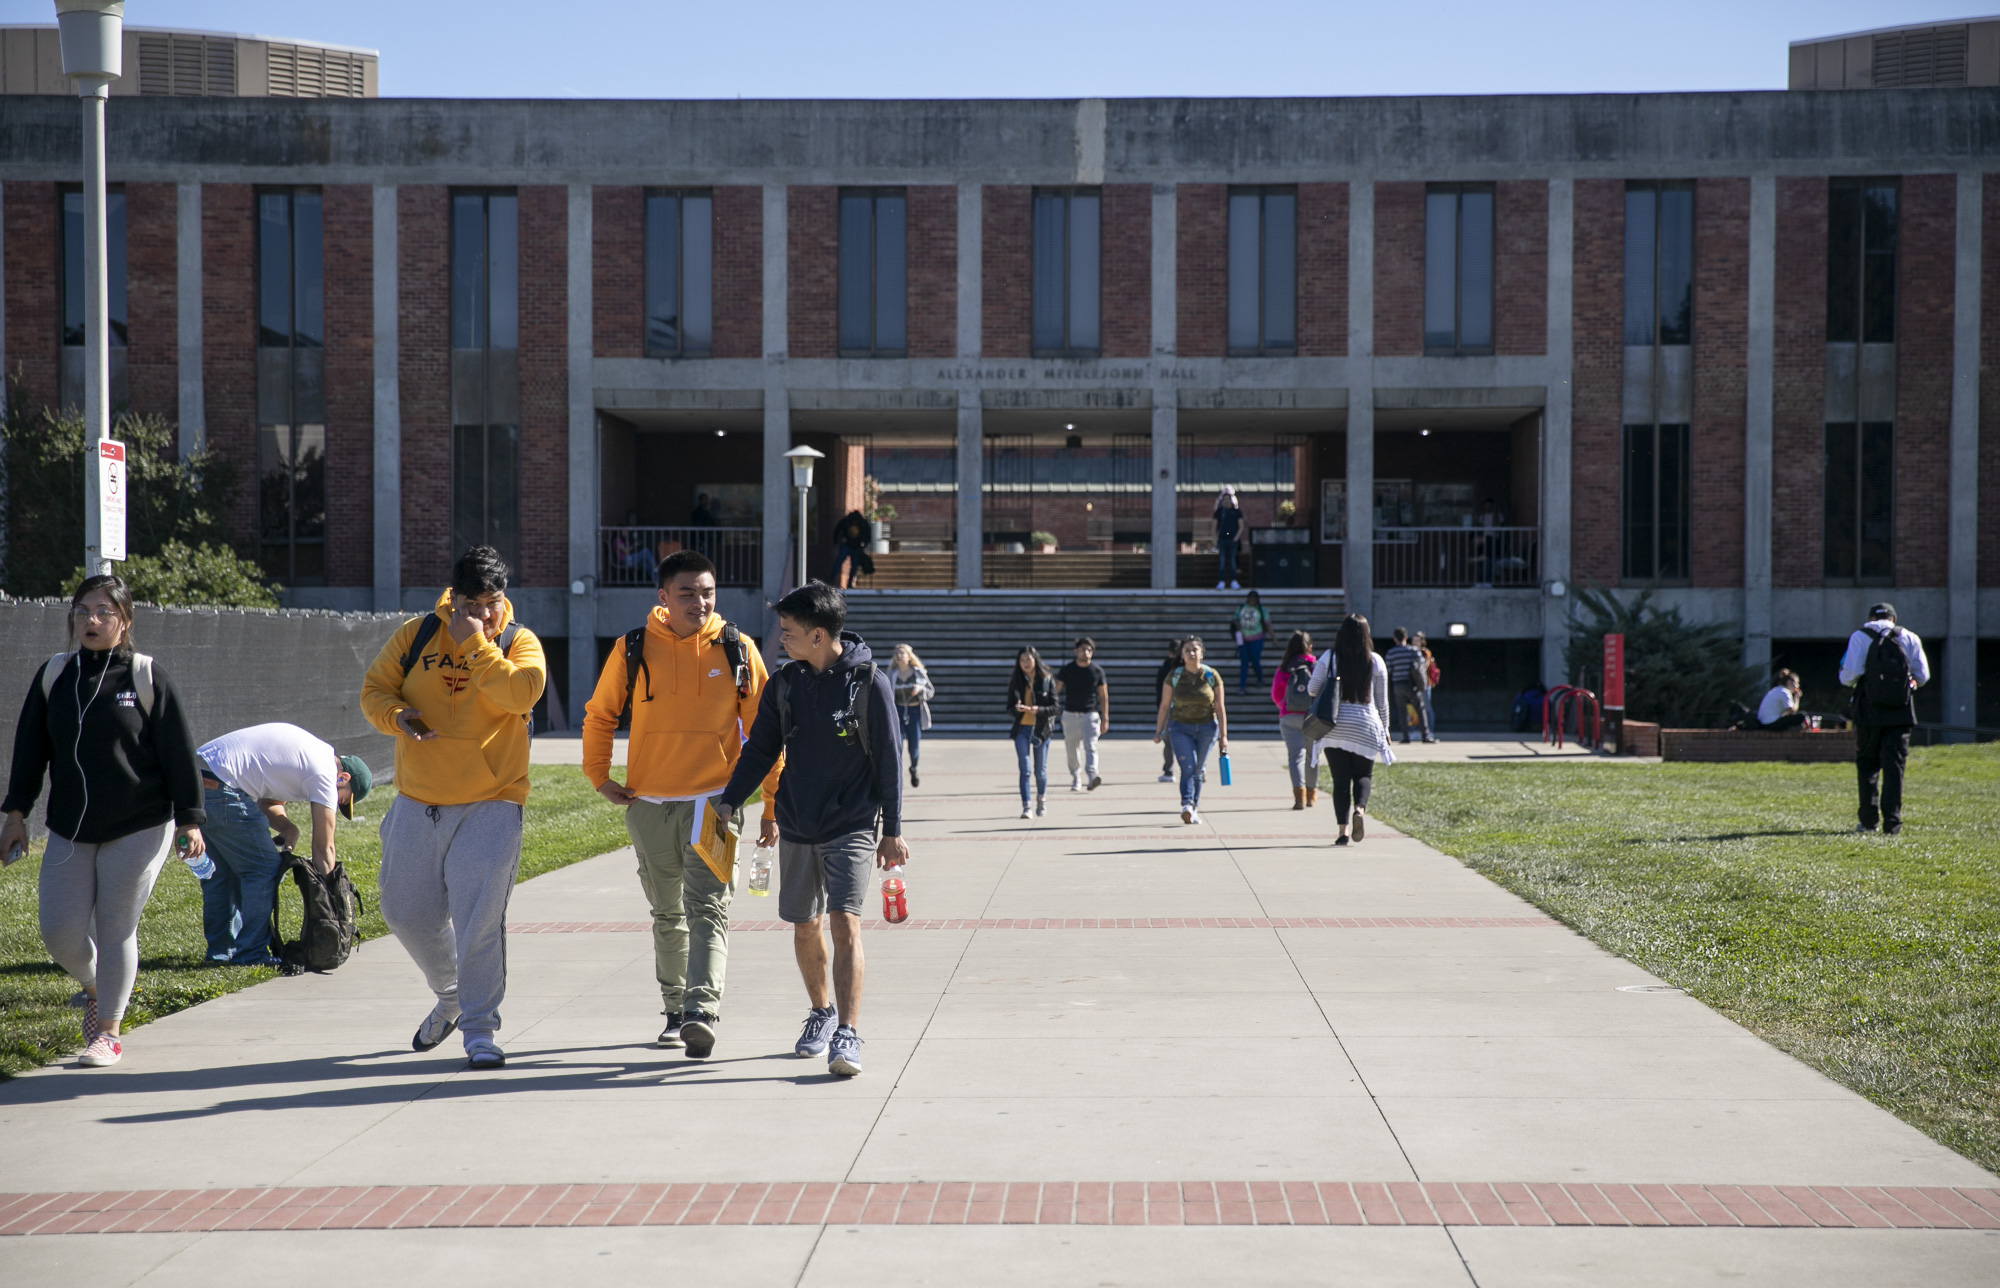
(1075, 440)
(1423, 433)
(719, 433)
(1456, 630)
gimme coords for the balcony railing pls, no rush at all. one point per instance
(1481, 556)
(629, 556)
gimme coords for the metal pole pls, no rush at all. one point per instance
(96, 326)
(802, 539)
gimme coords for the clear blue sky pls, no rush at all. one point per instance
(1045, 48)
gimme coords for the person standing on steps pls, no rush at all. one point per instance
(832, 714)
(1885, 665)
(1406, 678)
(1086, 714)
(1251, 625)
(1168, 665)
(456, 688)
(1031, 704)
(105, 725)
(914, 692)
(1228, 527)
(1359, 707)
(690, 683)
(1193, 717)
(1292, 692)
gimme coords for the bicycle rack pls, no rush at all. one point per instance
(1557, 704)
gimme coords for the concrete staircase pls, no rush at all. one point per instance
(967, 640)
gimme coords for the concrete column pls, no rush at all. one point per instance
(970, 568)
(187, 316)
(778, 500)
(583, 464)
(1555, 497)
(3, 384)
(1357, 553)
(388, 413)
(1757, 412)
(1961, 657)
(1165, 524)
(971, 224)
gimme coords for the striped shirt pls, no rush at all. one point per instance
(1359, 727)
(1406, 665)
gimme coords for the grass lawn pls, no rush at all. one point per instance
(565, 821)
(1874, 959)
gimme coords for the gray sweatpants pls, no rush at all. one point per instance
(447, 873)
(108, 885)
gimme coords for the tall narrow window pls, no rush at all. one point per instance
(1659, 335)
(1860, 482)
(1458, 269)
(680, 274)
(1066, 280)
(485, 372)
(873, 298)
(73, 293)
(291, 393)
(1860, 457)
(1263, 271)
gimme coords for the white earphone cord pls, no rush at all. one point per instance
(83, 709)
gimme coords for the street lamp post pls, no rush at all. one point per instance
(802, 459)
(92, 33)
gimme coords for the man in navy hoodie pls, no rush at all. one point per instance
(831, 712)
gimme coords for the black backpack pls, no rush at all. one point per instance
(328, 934)
(1298, 688)
(635, 662)
(1885, 677)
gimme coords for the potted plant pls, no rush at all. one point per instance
(1043, 542)
(877, 514)
(1287, 512)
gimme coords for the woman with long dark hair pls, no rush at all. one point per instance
(104, 724)
(1193, 716)
(1166, 668)
(1290, 690)
(1360, 736)
(1031, 705)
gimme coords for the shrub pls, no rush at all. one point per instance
(1041, 538)
(1677, 673)
(185, 575)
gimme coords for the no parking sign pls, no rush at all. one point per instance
(110, 499)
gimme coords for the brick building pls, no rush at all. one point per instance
(1456, 356)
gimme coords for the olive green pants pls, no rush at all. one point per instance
(690, 907)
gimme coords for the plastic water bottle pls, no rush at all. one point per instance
(201, 865)
(760, 869)
(895, 897)
(1224, 759)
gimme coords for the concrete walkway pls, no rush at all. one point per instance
(1106, 1049)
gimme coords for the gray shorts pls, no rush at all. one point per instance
(832, 875)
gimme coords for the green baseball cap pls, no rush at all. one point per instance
(359, 780)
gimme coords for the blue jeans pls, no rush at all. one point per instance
(913, 730)
(1225, 553)
(1025, 747)
(1191, 743)
(1250, 653)
(237, 901)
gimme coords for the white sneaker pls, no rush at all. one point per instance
(1187, 813)
(1025, 811)
(1236, 585)
(1076, 784)
(1167, 777)
(103, 1050)
(1219, 586)
(1041, 807)
(1194, 816)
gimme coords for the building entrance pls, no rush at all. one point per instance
(1067, 506)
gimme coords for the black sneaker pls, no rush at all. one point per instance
(1892, 829)
(1360, 826)
(913, 777)
(1095, 782)
(670, 1036)
(437, 1026)
(698, 1032)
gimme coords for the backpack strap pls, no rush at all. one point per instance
(52, 668)
(142, 681)
(427, 629)
(505, 641)
(739, 658)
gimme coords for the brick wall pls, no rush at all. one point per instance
(1126, 240)
(152, 360)
(1721, 322)
(33, 323)
(1597, 308)
(1201, 270)
(812, 254)
(1520, 266)
(544, 386)
(1005, 263)
(350, 384)
(1989, 379)
(1926, 268)
(1322, 270)
(1399, 269)
(423, 364)
(739, 272)
(1798, 383)
(931, 256)
(618, 271)
(229, 341)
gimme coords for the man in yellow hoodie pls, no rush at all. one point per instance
(455, 688)
(692, 697)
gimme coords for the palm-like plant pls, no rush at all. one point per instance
(1677, 673)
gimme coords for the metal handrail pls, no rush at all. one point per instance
(1481, 555)
(628, 554)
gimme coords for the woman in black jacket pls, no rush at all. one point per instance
(1031, 705)
(1160, 674)
(107, 728)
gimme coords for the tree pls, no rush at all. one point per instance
(1677, 673)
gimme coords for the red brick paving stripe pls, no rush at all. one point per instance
(1015, 1203)
(1084, 923)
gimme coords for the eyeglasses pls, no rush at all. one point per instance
(94, 614)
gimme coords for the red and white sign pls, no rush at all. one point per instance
(1614, 672)
(110, 499)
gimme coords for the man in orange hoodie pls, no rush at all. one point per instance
(692, 697)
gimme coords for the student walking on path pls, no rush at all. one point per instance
(1291, 690)
(690, 682)
(1168, 665)
(914, 692)
(1193, 717)
(1407, 677)
(832, 715)
(1885, 664)
(1228, 527)
(247, 776)
(1031, 705)
(1359, 705)
(106, 727)
(1086, 714)
(1432, 676)
(455, 688)
(1250, 625)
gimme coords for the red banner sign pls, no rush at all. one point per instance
(1614, 672)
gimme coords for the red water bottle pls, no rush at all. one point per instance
(895, 897)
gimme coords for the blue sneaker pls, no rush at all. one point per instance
(820, 1023)
(844, 1053)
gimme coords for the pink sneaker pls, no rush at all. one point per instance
(103, 1050)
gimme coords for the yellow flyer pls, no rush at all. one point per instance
(714, 842)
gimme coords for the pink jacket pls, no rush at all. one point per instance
(1278, 683)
